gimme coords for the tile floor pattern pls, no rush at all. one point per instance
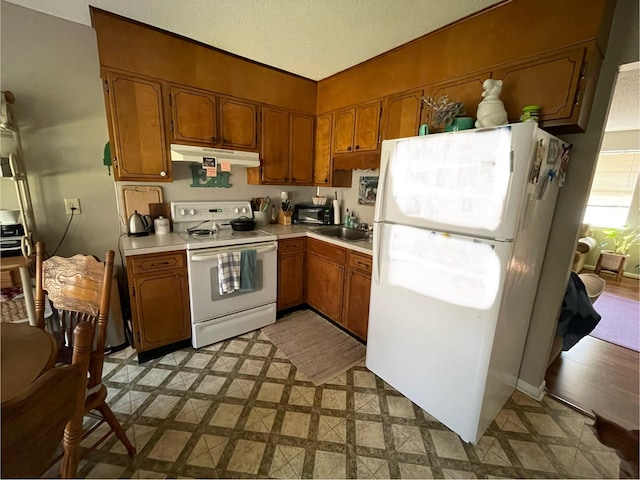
(240, 409)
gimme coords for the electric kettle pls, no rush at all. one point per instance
(139, 225)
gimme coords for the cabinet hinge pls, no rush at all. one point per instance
(584, 69)
(133, 291)
(138, 336)
(106, 86)
(115, 162)
(171, 125)
(578, 96)
(381, 112)
(170, 101)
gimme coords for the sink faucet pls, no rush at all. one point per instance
(356, 225)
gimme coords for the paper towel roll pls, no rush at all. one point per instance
(336, 212)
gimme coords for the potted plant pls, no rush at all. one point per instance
(447, 113)
(622, 239)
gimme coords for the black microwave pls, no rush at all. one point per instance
(310, 214)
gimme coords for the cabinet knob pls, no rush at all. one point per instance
(349, 148)
(293, 179)
(357, 147)
(326, 180)
(163, 173)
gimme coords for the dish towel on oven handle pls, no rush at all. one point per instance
(248, 271)
(229, 272)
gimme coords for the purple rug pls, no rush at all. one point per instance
(620, 323)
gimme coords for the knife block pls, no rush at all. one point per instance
(284, 218)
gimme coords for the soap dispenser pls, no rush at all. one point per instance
(347, 218)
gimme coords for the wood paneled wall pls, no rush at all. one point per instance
(133, 47)
(504, 33)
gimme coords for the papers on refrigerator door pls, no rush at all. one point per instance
(458, 180)
(458, 270)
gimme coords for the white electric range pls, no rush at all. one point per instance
(206, 229)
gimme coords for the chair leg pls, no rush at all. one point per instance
(70, 443)
(113, 422)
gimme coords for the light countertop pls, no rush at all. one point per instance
(173, 241)
(293, 231)
(152, 244)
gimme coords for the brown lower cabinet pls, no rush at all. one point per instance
(338, 282)
(357, 289)
(159, 294)
(291, 270)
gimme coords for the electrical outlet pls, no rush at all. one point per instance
(70, 203)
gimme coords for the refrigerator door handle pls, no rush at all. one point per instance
(377, 217)
(377, 232)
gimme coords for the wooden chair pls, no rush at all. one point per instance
(33, 422)
(79, 289)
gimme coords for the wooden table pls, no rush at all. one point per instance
(26, 353)
(22, 264)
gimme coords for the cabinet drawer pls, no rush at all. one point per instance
(360, 262)
(291, 245)
(328, 251)
(157, 262)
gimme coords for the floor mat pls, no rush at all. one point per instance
(316, 347)
(619, 324)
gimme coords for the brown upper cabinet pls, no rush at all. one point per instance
(287, 149)
(562, 83)
(324, 174)
(136, 127)
(466, 89)
(301, 153)
(238, 124)
(402, 115)
(194, 116)
(357, 129)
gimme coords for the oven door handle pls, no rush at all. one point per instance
(203, 257)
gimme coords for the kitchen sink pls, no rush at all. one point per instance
(343, 233)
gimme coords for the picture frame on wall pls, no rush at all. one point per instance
(367, 191)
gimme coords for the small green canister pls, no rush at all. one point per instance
(530, 113)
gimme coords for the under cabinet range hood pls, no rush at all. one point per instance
(191, 153)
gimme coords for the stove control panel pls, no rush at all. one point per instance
(209, 210)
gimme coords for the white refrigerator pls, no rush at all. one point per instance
(460, 232)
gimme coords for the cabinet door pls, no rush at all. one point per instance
(356, 304)
(367, 127)
(238, 124)
(275, 146)
(160, 308)
(553, 81)
(402, 115)
(290, 280)
(344, 123)
(137, 128)
(466, 89)
(301, 142)
(194, 116)
(322, 166)
(324, 286)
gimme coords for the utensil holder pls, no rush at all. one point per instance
(261, 218)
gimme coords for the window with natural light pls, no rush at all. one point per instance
(612, 190)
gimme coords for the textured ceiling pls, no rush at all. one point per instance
(624, 112)
(312, 38)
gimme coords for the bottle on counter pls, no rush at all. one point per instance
(347, 218)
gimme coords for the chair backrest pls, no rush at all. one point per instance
(34, 421)
(79, 289)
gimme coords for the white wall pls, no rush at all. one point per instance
(51, 66)
(623, 48)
